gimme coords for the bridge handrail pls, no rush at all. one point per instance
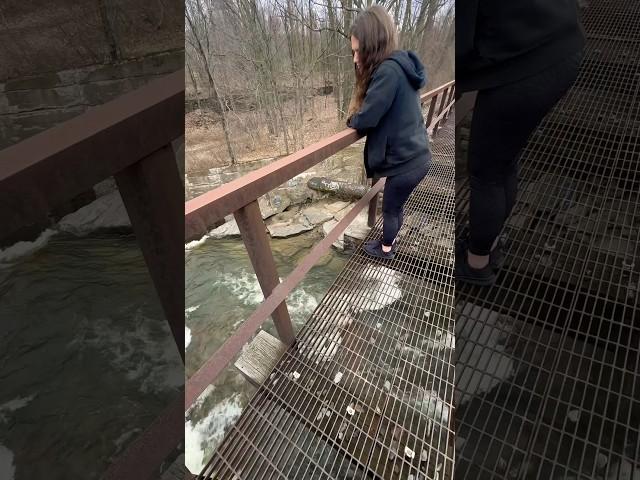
(213, 206)
(240, 198)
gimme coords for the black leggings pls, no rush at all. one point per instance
(396, 192)
(503, 119)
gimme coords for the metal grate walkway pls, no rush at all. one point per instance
(548, 358)
(367, 390)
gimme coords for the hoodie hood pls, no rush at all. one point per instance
(411, 66)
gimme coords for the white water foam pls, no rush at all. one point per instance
(7, 468)
(187, 337)
(13, 405)
(245, 287)
(208, 432)
(146, 352)
(196, 243)
(21, 249)
(301, 305)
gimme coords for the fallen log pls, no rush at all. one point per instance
(343, 190)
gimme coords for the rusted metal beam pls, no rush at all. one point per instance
(256, 241)
(435, 124)
(39, 173)
(437, 90)
(432, 108)
(210, 370)
(152, 192)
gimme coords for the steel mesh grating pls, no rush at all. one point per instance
(385, 328)
(547, 359)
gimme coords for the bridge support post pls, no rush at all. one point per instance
(256, 240)
(152, 192)
(373, 206)
(432, 107)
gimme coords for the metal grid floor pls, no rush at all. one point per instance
(367, 390)
(547, 359)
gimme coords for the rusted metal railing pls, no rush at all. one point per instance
(128, 138)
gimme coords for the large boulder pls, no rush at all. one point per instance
(335, 207)
(317, 215)
(273, 203)
(354, 233)
(228, 229)
(107, 212)
(298, 224)
(327, 227)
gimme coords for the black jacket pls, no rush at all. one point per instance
(503, 41)
(391, 118)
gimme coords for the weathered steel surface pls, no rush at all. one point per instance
(153, 194)
(256, 241)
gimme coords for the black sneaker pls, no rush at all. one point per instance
(475, 276)
(496, 256)
(374, 248)
(378, 243)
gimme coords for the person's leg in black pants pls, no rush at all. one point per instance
(503, 120)
(396, 192)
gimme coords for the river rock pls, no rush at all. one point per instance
(327, 227)
(298, 224)
(316, 215)
(228, 229)
(335, 207)
(359, 228)
(273, 203)
(340, 214)
(107, 212)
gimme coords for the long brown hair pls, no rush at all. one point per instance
(378, 38)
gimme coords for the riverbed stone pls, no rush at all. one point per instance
(316, 215)
(273, 203)
(359, 228)
(335, 207)
(327, 227)
(107, 212)
(296, 225)
(228, 229)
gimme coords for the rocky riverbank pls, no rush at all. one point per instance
(283, 222)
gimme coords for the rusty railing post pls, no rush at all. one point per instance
(256, 241)
(449, 99)
(440, 108)
(432, 107)
(152, 192)
(373, 206)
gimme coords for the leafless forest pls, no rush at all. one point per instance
(268, 77)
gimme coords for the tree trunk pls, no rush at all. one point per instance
(343, 190)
